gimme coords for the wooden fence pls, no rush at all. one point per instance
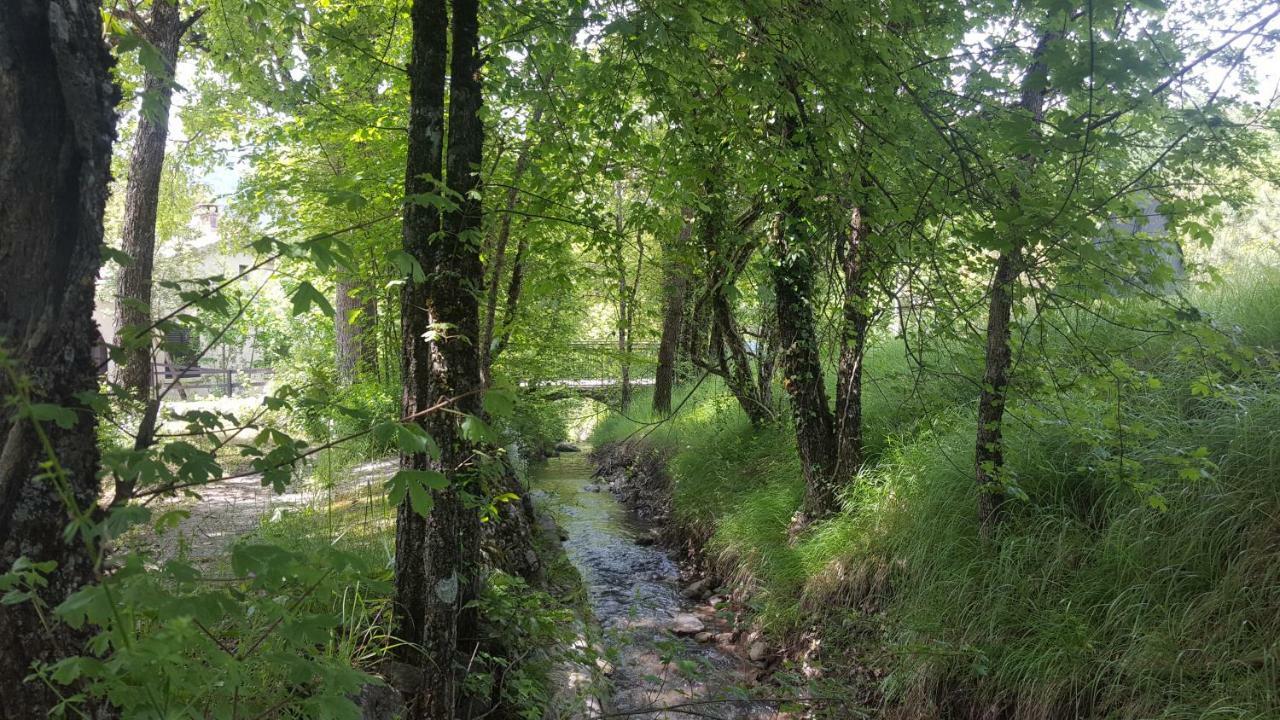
(208, 380)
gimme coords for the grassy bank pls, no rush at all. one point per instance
(1137, 577)
(528, 625)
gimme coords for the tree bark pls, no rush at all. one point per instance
(989, 451)
(346, 334)
(57, 124)
(369, 331)
(989, 447)
(437, 557)
(675, 286)
(458, 273)
(355, 318)
(623, 325)
(424, 621)
(854, 255)
(498, 271)
(164, 29)
(512, 305)
(793, 274)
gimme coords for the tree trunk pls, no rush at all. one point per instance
(989, 447)
(163, 29)
(628, 347)
(854, 254)
(767, 357)
(724, 257)
(57, 122)
(436, 556)
(624, 367)
(355, 319)
(693, 343)
(622, 324)
(734, 362)
(457, 273)
(793, 274)
(675, 286)
(512, 305)
(346, 334)
(369, 332)
(989, 451)
(497, 272)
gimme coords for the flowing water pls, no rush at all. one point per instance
(635, 595)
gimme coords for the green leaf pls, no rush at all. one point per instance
(408, 266)
(413, 439)
(420, 499)
(119, 257)
(305, 295)
(478, 431)
(433, 479)
(417, 485)
(499, 400)
(64, 418)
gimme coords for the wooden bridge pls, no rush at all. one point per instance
(209, 381)
(595, 369)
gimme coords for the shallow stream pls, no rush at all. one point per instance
(635, 594)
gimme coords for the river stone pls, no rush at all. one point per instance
(704, 637)
(698, 590)
(757, 651)
(724, 638)
(379, 702)
(687, 624)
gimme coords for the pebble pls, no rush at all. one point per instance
(687, 624)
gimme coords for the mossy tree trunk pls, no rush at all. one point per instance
(793, 273)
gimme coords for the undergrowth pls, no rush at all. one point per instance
(1137, 577)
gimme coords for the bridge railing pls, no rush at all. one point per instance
(203, 381)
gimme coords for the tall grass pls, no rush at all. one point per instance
(1139, 578)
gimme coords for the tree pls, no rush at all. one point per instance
(355, 316)
(437, 552)
(989, 448)
(492, 344)
(57, 117)
(675, 289)
(163, 29)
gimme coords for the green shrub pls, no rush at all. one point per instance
(1138, 577)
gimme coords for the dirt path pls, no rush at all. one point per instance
(230, 509)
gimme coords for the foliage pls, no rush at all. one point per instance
(1102, 153)
(1100, 583)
